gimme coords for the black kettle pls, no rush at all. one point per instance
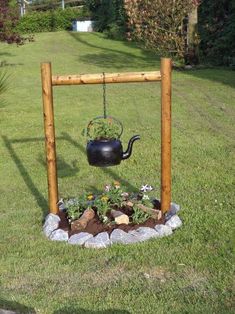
(105, 153)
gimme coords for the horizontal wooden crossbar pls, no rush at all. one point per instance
(127, 77)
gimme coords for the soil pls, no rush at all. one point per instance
(95, 226)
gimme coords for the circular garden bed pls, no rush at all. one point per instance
(114, 216)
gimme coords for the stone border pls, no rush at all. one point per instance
(103, 240)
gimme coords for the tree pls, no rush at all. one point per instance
(109, 16)
(161, 25)
(217, 31)
(8, 20)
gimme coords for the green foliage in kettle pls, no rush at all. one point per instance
(103, 129)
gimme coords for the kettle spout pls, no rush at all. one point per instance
(128, 152)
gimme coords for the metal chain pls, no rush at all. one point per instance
(104, 96)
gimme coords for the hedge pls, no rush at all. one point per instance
(48, 21)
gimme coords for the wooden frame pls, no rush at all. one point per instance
(163, 76)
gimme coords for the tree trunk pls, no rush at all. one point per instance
(192, 54)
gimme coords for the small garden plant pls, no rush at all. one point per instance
(77, 206)
(139, 216)
(103, 208)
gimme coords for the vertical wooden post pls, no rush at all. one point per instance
(49, 130)
(165, 134)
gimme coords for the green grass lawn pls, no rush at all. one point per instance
(190, 272)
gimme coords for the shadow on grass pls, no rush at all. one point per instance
(72, 170)
(42, 203)
(115, 58)
(64, 169)
(221, 75)
(5, 54)
(6, 305)
(4, 63)
(74, 310)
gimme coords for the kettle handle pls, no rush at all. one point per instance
(104, 117)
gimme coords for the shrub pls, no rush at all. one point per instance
(48, 21)
(159, 24)
(217, 30)
(109, 16)
(8, 21)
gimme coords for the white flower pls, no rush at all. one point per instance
(107, 188)
(105, 219)
(146, 188)
(145, 197)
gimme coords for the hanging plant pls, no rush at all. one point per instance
(104, 147)
(102, 128)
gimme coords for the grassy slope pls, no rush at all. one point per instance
(190, 272)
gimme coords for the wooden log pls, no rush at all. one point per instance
(49, 130)
(166, 66)
(151, 211)
(81, 223)
(154, 213)
(120, 217)
(127, 77)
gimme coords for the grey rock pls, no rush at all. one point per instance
(173, 210)
(61, 205)
(144, 233)
(51, 218)
(51, 223)
(59, 235)
(188, 67)
(80, 238)
(174, 222)
(174, 207)
(48, 229)
(163, 230)
(100, 241)
(120, 236)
